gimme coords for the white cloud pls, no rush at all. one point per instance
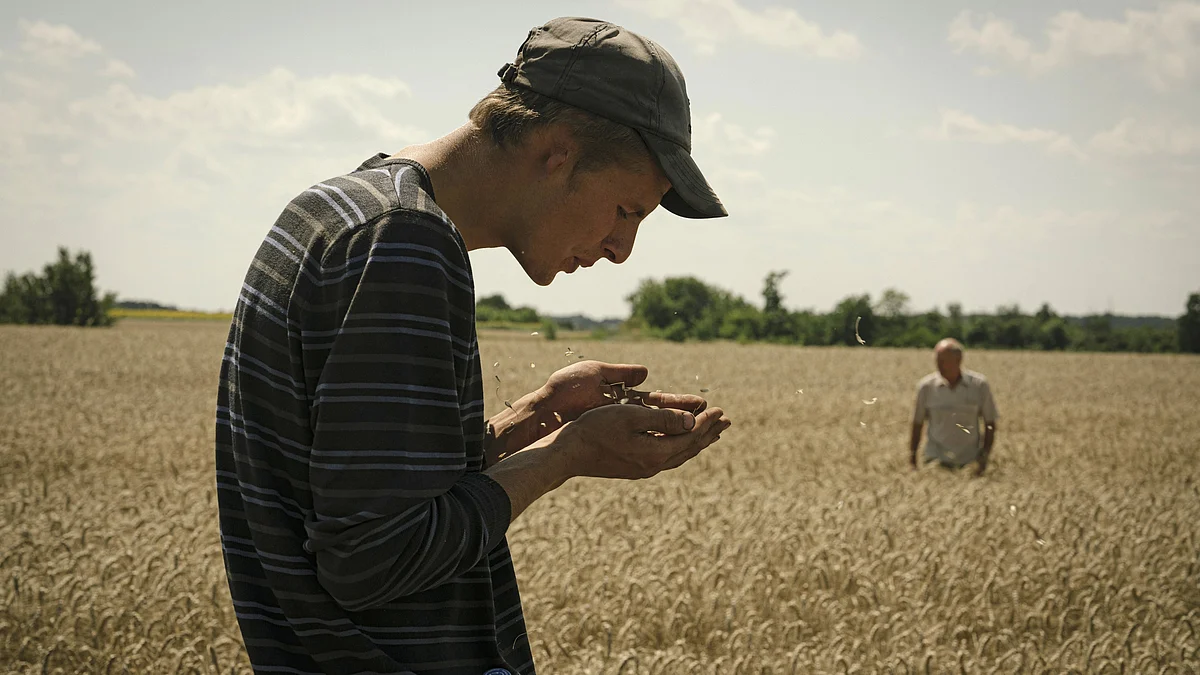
(731, 157)
(869, 241)
(54, 43)
(882, 221)
(1012, 222)
(714, 133)
(59, 46)
(271, 110)
(957, 125)
(710, 23)
(1133, 138)
(994, 37)
(1164, 43)
(1129, 138)
(117, 69)
(205, 169)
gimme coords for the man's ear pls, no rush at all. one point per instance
(558, 151)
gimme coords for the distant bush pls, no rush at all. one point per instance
(495, 309)
(601, 333)
(64, 294)
(145, 304)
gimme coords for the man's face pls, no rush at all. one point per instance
(949, 364)
(589, 216)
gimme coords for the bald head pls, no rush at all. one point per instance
(948, 345)
(949, 355)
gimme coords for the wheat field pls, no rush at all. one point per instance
(798, 544)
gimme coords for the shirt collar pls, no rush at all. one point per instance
(943, 382)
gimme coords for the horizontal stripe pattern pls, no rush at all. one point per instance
(357, 530)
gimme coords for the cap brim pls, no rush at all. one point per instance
(690, 195)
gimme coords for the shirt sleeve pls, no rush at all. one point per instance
(987, 405)
(395, 511)
(921, 409)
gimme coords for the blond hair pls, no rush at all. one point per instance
(509, 113)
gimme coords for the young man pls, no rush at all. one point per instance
(953, 400)
(363, 497)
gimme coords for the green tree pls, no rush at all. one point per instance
(891, 319)
(980, 330)
(64, 294)
(1053, 334)
(688, 309)
(744, 324)
(680, 308)
(846, 316)
(772, 297)
(495, 301)
(917, 336)
(1189, 326)
(494, 308)
(922, 331)
(955, 325)
(1011, 329)
(777, 324)
(892, 304)
(1097, 333)
(1045, 314)
(811, 328)
(25, 299)
(1145, 339)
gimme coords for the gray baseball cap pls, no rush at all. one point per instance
(616, 74)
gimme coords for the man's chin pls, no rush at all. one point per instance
(539, 276)
(542, 278)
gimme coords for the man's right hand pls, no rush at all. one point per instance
(633, 442)
(914, 443)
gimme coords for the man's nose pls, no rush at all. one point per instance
(618, 249)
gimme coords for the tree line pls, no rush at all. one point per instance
(686, 308)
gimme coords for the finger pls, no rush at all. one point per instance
(665, 399)
(669, 421)
(629, 373)
(708, 426)
(713, 431)
(696, 445)
(713, 418)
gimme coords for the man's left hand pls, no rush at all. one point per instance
(569, 393)
(582, 386)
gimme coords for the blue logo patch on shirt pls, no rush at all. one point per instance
(497, 671)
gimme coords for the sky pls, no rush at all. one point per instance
(985, 153)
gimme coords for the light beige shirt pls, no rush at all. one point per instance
(953, 412)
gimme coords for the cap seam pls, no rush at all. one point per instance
(656, 115)
(668, 140)
(575, 56)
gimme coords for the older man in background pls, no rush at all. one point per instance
(954, 400)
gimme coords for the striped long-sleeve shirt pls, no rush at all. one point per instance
(358, 531)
